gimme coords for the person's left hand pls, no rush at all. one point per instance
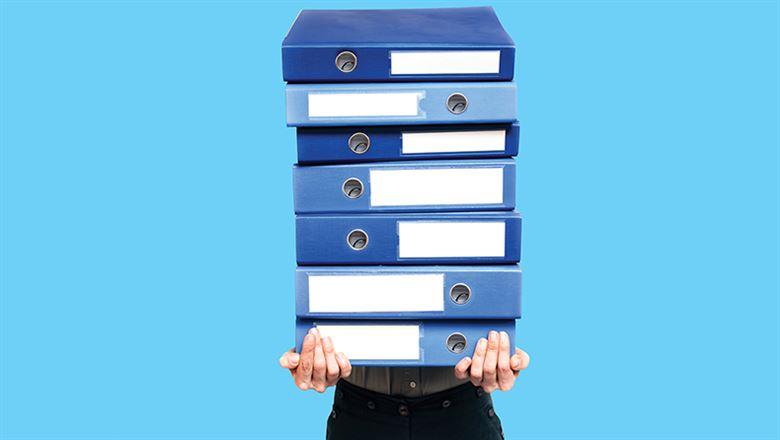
(492, 367)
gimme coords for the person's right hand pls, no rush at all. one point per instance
(318, 366)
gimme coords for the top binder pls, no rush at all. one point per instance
(446, 44)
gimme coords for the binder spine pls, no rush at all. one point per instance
(433, 186)
(404, 343)
(315, 64)
(380, 143)
(489, 238)
(428, 292)
(400, 103)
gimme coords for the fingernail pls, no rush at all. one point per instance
(307, 338)
(467, 359)
(340, 356)
(482, 343)
(327, 343)
(295, 358)
(304, 386)
(314, 331)
(515, 364)
(493, 335)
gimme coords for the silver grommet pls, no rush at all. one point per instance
(359, 143)
(457, 103)
(352, 188)
(357, 239)
(460, 293)
(346, 61)
(456, 343)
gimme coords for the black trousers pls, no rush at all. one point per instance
(463, 412)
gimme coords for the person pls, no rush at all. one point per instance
(409, 403)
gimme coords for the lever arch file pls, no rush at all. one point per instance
(409, 186)
(408, 292)
(400, 103)
(447, 44)
(408, 238)
(392, 143)
(404, 343)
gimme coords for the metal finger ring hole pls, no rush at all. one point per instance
(346, 61)
(456, 343)
(460, 293)
(457, 103)
(359, 143)
(352, 188)
(357, 239)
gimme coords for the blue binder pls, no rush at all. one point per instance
(422, 343)
(434, 238)
(383, 143)
(408, 292)
(476, 185)
(445, 44)
(401, 103)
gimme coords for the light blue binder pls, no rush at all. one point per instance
(425, 186)
(421, 343)
(401, 103)
(408, 292)
(408, 238)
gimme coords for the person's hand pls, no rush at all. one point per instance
(318, 366)
(491, 366)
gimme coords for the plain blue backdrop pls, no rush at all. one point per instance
(147, 236)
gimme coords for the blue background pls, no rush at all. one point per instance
(147, 239)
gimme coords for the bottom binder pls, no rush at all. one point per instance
(404, 343)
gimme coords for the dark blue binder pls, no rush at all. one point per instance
(393, 143)
(422, 343)
(408, 292)
(427, 186)
(447, 44)
(434, 238)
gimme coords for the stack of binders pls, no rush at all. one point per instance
(406, 237)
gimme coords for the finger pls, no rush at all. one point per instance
(332, 365)
(489, 380)
(506, 377)
(344, 365)
(320, 366)
(477, 361)
(306, 363)
(520, 361)
(462, 368)
(289, 360)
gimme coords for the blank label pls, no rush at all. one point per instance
(375, 342)
(376, 293)
(437, 186)
(336, 105)
(443, 62)
(451, 239)
(453, 141)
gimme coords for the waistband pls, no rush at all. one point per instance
(349, 394)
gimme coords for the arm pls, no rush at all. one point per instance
(318, 366)
(491, 366)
